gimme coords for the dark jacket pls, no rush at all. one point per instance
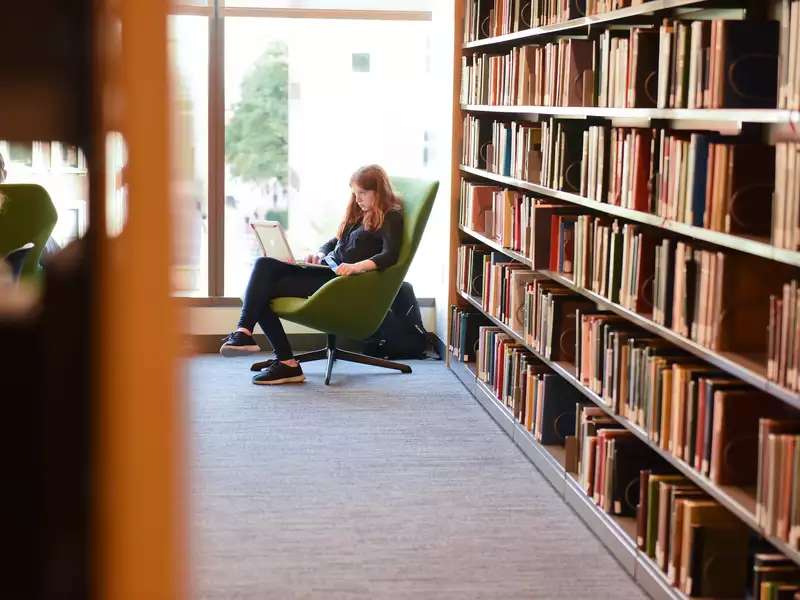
(381, 246)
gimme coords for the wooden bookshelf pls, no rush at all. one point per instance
(746, 368)
(766, 124)
(616, 533)
(740, 501)
(747, 245)
(699, 117)
(649, 8)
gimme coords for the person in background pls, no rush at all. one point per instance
(51, 246)
(368, 238)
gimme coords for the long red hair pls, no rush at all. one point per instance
(371, 178)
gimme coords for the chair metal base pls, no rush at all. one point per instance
(332, 354)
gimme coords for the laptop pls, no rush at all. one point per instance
(272, 238)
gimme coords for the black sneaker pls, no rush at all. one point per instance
(277, 373)
(238, 343)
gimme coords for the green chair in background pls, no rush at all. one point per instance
(354, 307)
(26, 215)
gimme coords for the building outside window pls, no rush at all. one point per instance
(296, 118)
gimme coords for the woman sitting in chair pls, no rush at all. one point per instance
(369, 238)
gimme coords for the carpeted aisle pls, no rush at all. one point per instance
(380, 486)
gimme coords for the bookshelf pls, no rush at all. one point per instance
(740, 501)
(714, 116)
(735, 242)
(738, 126)
(615, 533)
(648, 8)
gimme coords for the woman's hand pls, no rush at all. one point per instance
(346, 269)
(364, 266)
(313, 259)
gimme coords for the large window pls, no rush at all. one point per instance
(300, 120)
(289, 121)
(188, 45)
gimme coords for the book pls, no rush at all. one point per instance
(734, 451)
(749, 64)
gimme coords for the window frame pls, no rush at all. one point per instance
(216, 12)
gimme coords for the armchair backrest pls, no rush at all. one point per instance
(367, 297)
(26, 215)
(417, 196)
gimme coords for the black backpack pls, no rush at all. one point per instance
(401, 335)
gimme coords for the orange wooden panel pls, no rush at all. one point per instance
(141, 470)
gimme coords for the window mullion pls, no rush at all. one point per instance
(216, 154)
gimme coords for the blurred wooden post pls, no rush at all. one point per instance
(141, 469)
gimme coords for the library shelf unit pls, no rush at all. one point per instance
(616, 533)
(646, 9)
(739, 500)
(748, 370)
(747, 245)
(771, 125)
(715, 116)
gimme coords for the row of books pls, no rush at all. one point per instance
(499, 17)
(718, 64)
(722, 428)
(775, 577)
(703, 295)
(540, 400)
(559, 73)
(490, 18)
(778, 484)
(699, 179)
(701, 546)
(550, 12)
(529, 303)
(698, 293)
(609, 459)
(500, 214)
(692, 289)
(717, 425)
(783, 347)
(463, 331)
(495, 281)
(509, 149)
(701, 415)
(692, 178)
(609, 463)
(682, 64)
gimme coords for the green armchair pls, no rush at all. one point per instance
(367, 297)
(26, 215)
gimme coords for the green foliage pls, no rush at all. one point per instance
(257, 136)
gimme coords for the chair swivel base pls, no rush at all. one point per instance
(332, 354)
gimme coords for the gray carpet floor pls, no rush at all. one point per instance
(381, 485)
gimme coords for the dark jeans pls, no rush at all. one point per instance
(272, 279)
